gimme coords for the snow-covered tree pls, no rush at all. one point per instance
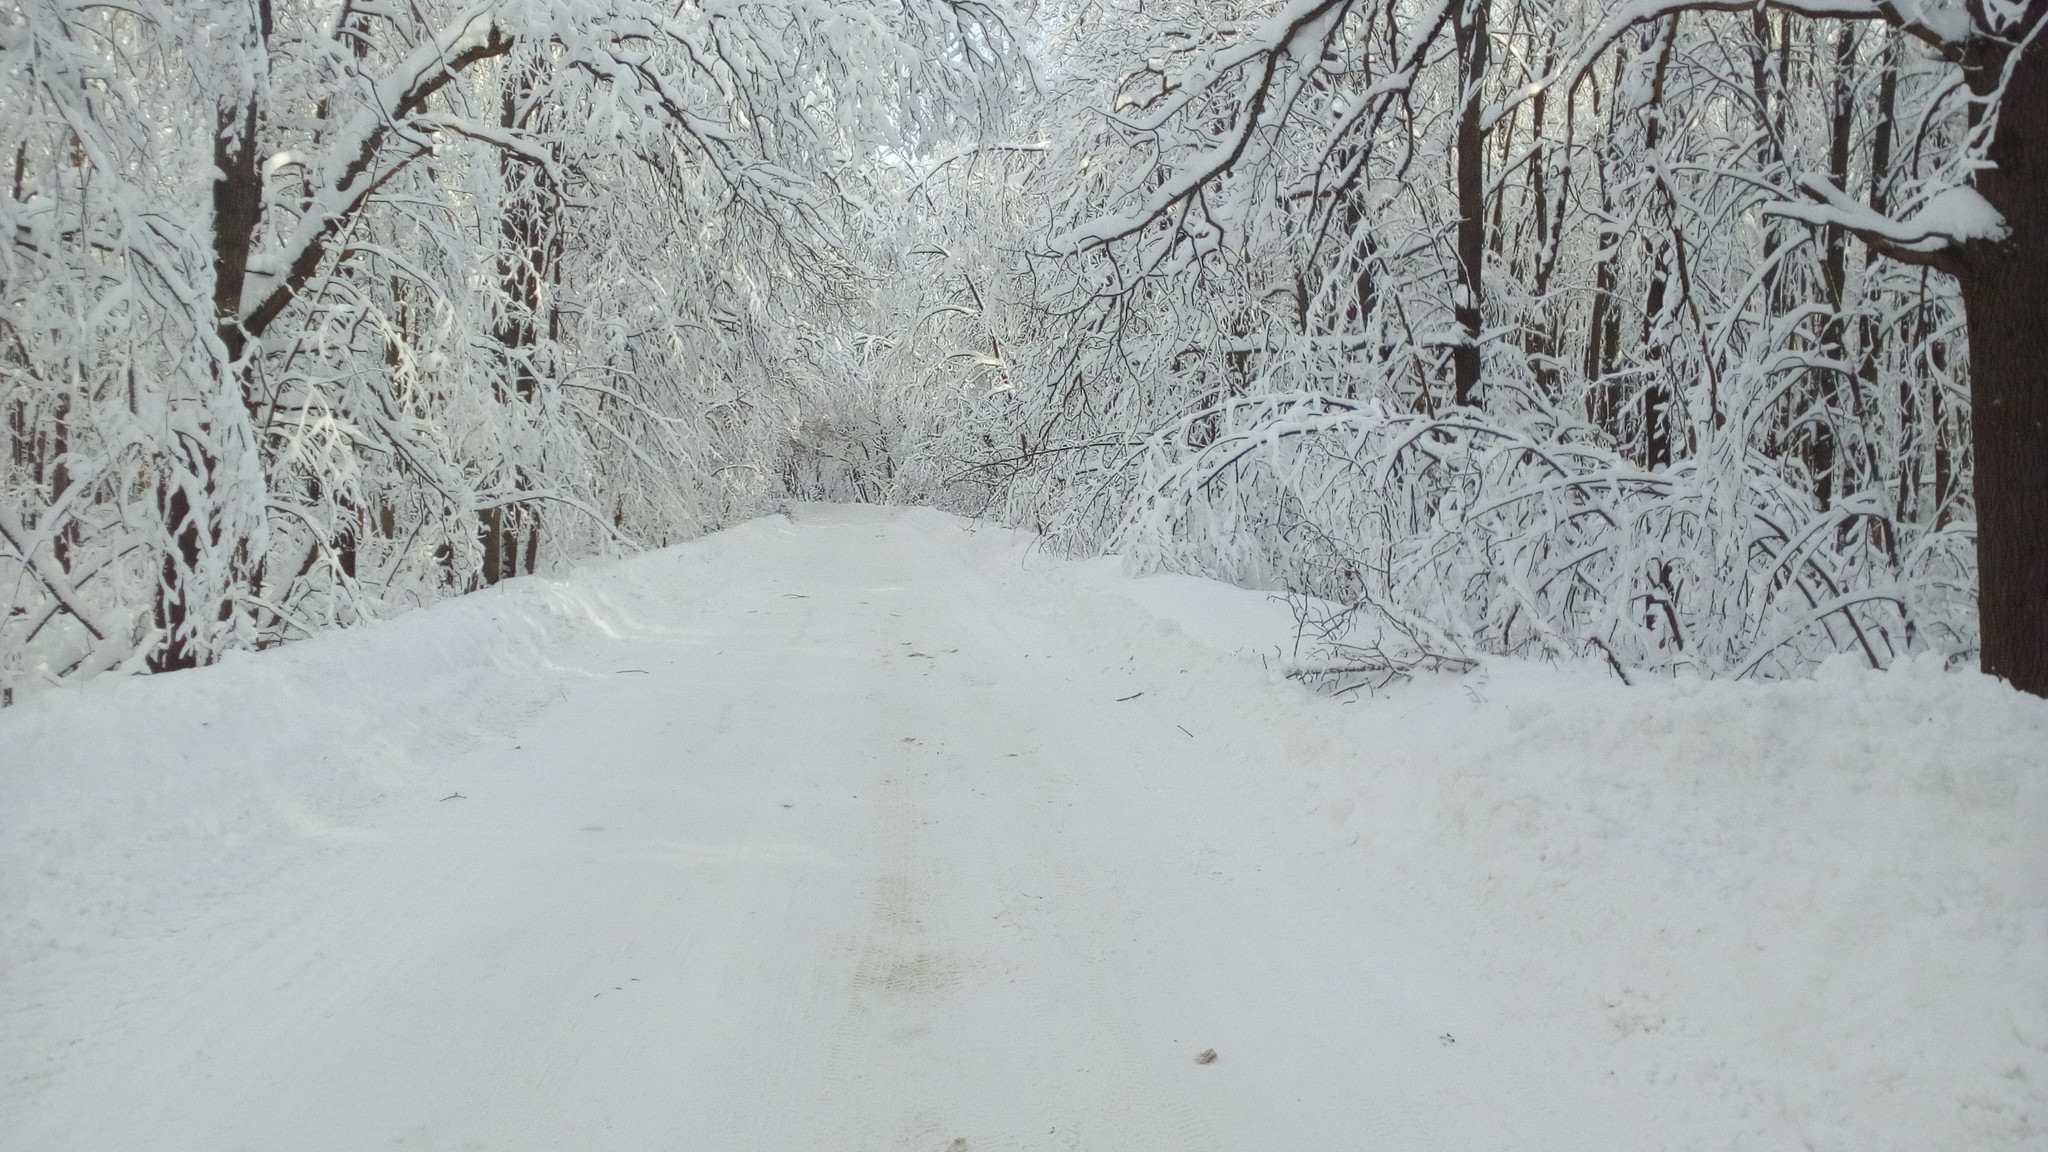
(1554, 327)
(315, 308)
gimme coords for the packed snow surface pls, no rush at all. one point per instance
(862, 829)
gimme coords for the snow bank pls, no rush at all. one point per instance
(1817, 906)
(129, 805)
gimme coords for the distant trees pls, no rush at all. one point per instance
(314, 308)
(1644, 331)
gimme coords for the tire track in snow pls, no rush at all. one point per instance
(1142, 1107)
(852, 1105)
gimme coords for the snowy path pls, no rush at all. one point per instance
(853, 849)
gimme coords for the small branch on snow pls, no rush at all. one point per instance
(1612, 662)
(1377, 666)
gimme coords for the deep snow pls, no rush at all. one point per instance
(864, 829)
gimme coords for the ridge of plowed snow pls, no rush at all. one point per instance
(869, 830)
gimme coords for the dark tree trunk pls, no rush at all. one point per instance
(1657, 398)
(1603, 328)
(60, 479)
(174, 608)
(1543, 340)
(491, 534)
(237, 209)
(345, 538)
(1471, 163)
(2005, 289)
(1906, 501)
(2008, 307)
(1657, 392)
(1941, 426)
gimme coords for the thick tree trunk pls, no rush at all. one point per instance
(2008, 306)
(2005, 288)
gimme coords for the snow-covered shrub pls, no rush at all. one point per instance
(1469, 535)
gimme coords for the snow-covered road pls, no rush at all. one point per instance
(837, 841)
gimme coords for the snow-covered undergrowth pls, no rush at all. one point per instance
(1802, 914)
(1518, 535)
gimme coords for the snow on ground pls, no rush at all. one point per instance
(867, 830)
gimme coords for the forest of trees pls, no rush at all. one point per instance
(1693, 336)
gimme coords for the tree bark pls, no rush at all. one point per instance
(2005, 290)
(237, 209)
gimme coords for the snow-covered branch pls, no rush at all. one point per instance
(1938, 234)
